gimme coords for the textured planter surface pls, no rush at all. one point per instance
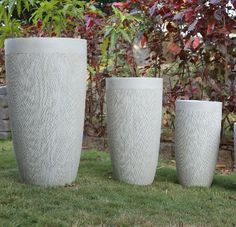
(134, 108)
(197, 139)
(46, 92)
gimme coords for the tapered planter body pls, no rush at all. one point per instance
(46, 81)
(134, 109)
(197, 139)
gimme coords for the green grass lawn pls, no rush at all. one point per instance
(96, 199)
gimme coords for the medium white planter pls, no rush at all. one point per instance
(46, 81)
(197, 139)
(134, 109)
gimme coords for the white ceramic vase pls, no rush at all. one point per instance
(197, 139)
(46, 81)
(134, 110)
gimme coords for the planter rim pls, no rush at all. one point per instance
(45, 45)
(200, 105)
(134, 83)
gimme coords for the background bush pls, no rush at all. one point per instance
(188, 43)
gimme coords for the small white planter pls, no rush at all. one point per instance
(197, 139)
(46, 90)
(134, 109)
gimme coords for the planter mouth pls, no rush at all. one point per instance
(200, 105)
(45, 45)
(134, 83)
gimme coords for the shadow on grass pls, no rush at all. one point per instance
(165, 174)
(95, 168)
(11, 175)
(225, 182)
(169, 175)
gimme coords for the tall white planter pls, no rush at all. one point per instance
(46, 81)
(134, 109)
(197, 139)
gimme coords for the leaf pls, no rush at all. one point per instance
(196, 42)
(104, 46)
(121, 5)
(188, 44)
(163, 11)
(210, 28)
(113, 40)
(193, 26)
(108, 31)
(91, 70)
(11, 28)
(170, 27)
(179, 16)
(218, 14)
(189, 14)
(118, 4)
(125, 35)
(3, 11)
(26, 4)
(11, 5)
(153, 9)
(143, 40)
(31, 2)
(214, 2)
(89, 23)
(18, 7)
(175, 48)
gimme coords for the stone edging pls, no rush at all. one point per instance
(5, 128)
